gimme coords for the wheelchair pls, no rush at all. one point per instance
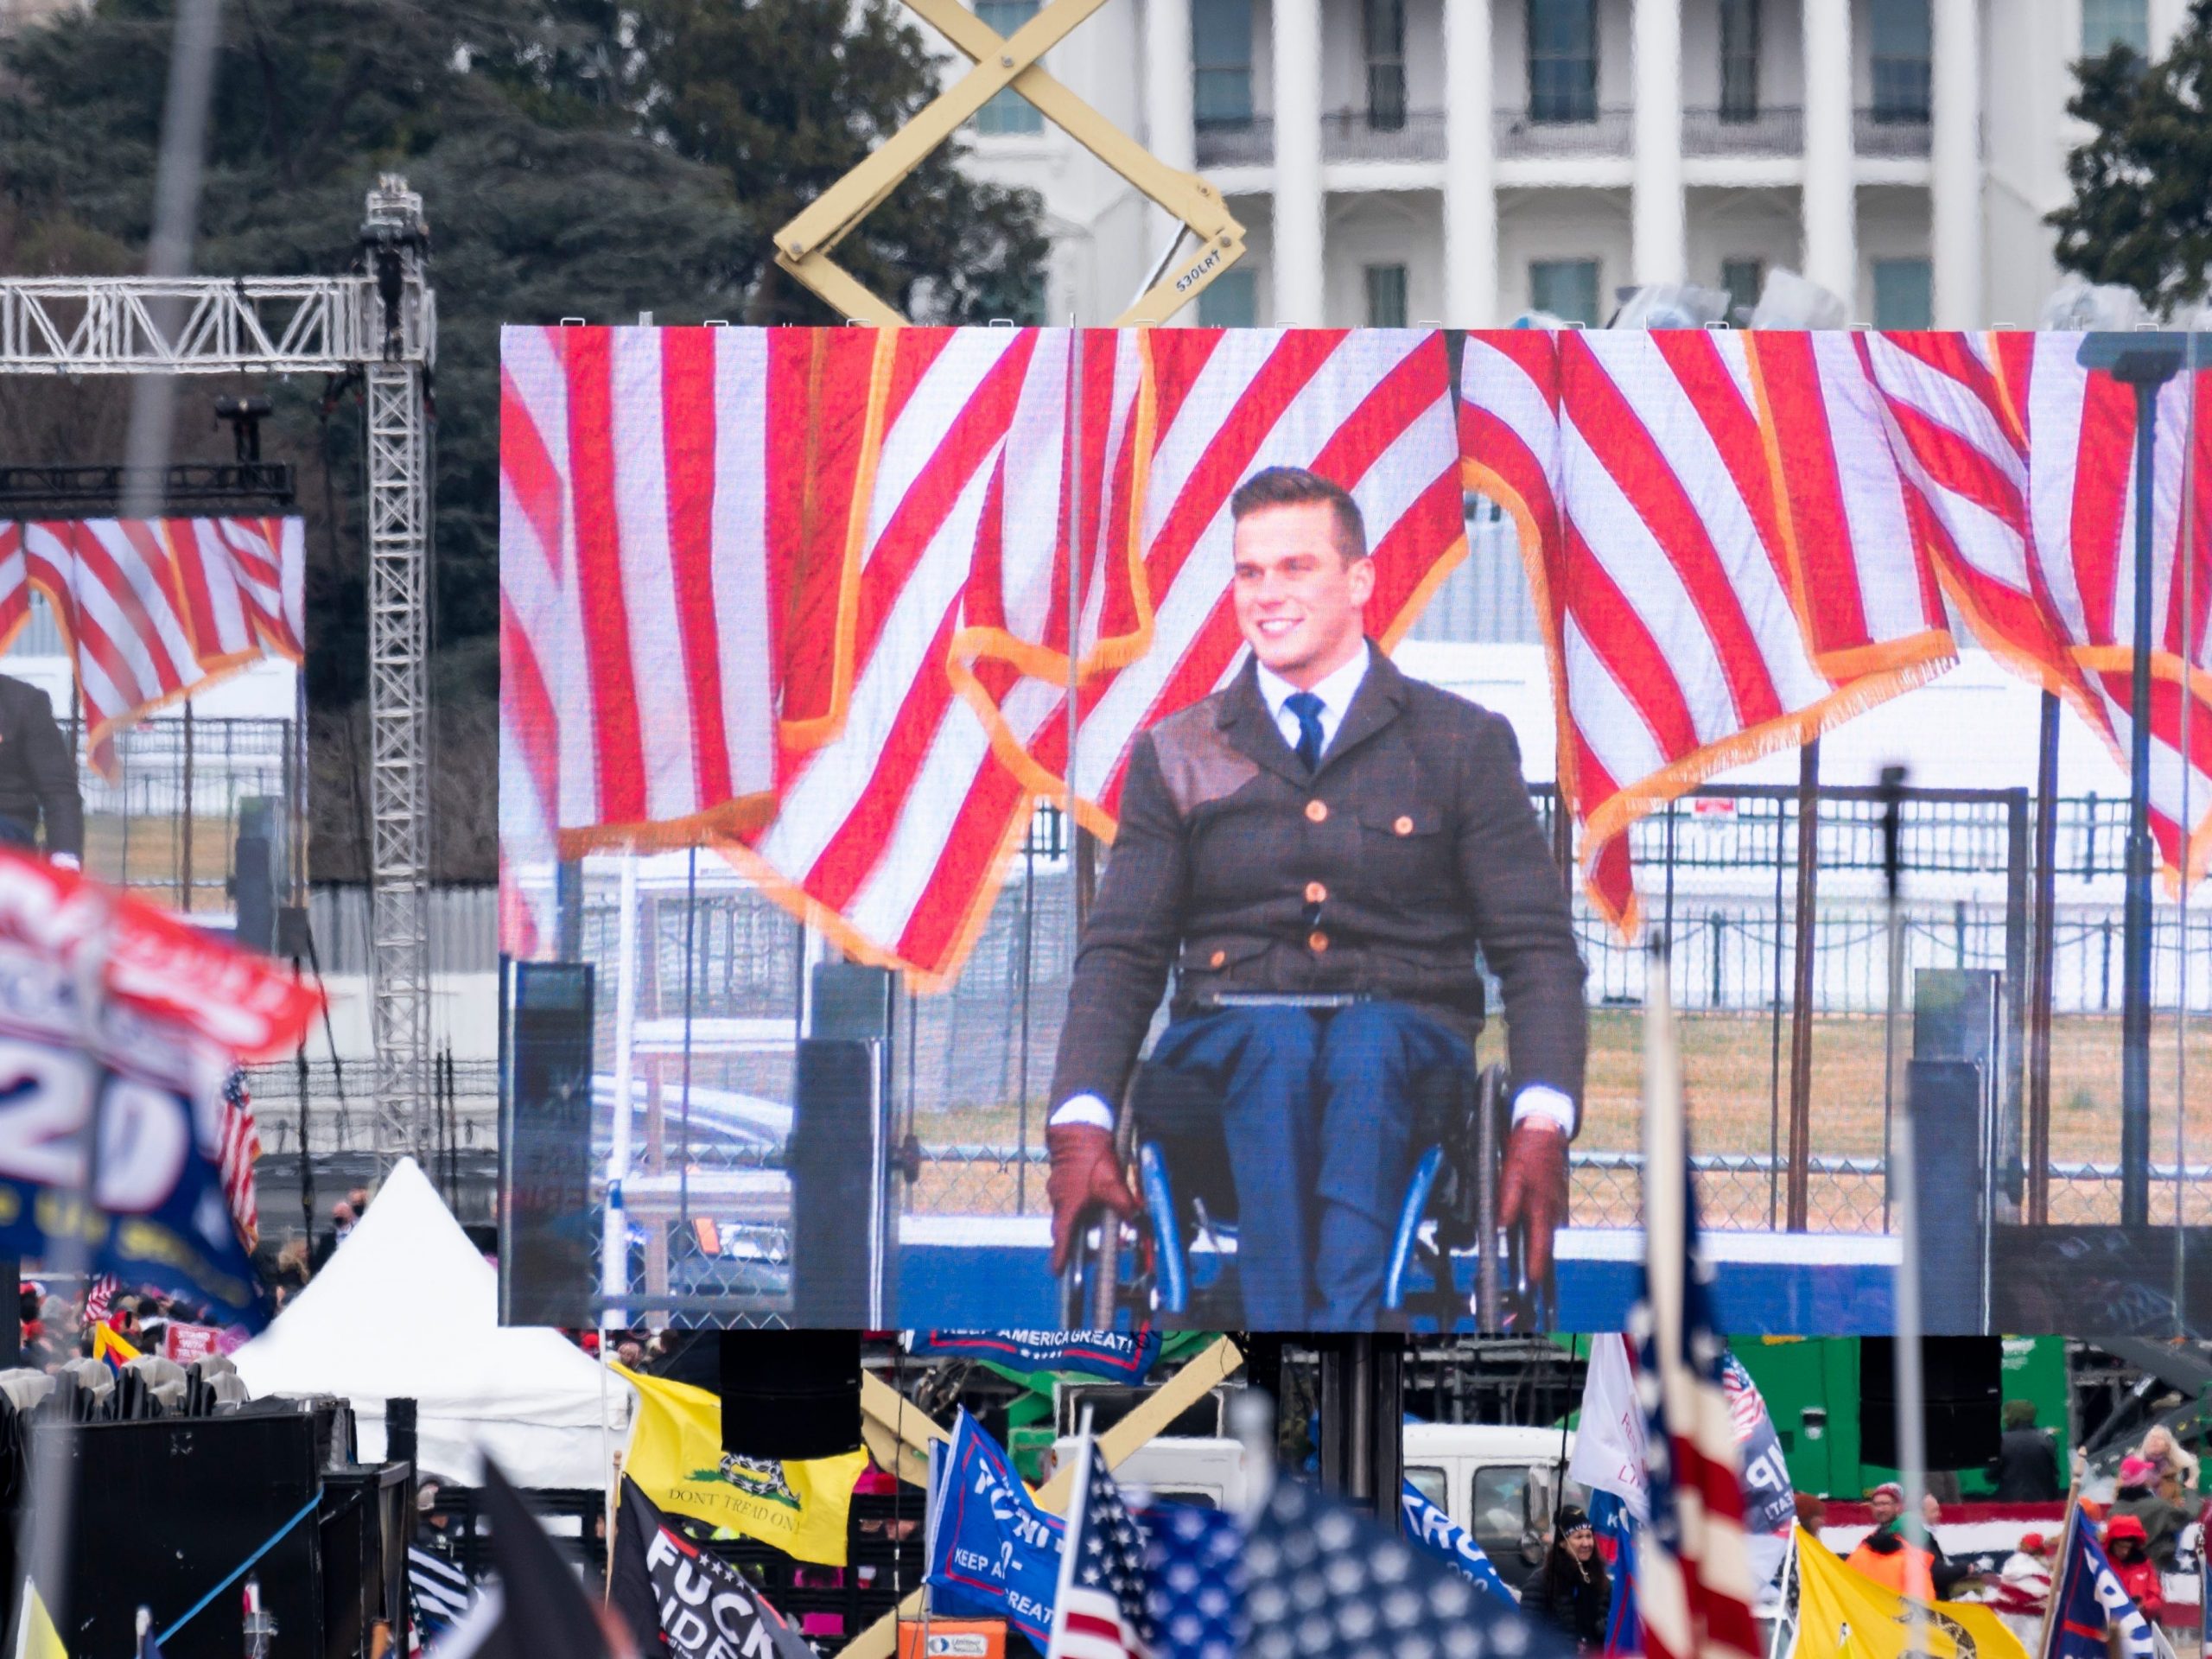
(1177, 1267)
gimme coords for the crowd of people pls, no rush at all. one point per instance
(2150, 1525)
(59, 1322)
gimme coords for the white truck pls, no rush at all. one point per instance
(1501, 1485)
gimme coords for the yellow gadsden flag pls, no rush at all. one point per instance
(1838, 1608)
(677, 1459)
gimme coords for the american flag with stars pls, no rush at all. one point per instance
(1322, 1579)
(240, 1145)
(1194, 1565)
(1102, 1611)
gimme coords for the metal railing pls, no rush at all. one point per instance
(1237, 143)
(1515, 133)
(1891, 132)
(1769, 131)
(1358, 135)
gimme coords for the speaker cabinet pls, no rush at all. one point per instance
(790, 1393)
(1962, 1379)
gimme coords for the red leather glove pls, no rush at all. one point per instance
(1534, 1191)
(1086, 1172)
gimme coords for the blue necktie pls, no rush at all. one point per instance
(1307, 708)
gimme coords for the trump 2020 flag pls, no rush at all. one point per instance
(2088, 1600)
(992, 1552)
(1428, 1525)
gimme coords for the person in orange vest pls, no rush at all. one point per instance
(1886, 1556)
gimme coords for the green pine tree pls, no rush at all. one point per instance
(2141, 216)
(575, 158)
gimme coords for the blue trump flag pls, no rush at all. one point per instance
(153, 1095)
(993, 1553)
(1429, 1527)
(1110, 1354)
(1615, 1524)
(2086, 1598)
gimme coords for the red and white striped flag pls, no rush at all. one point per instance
(1368, 409)
(154, 610)
(99, 1298)
(1704, 602)
(634, 471)
(238, 1149)
(2022, 468)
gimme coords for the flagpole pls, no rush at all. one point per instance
(2058, 1561)
(1078, 1502)
(1905, 1182)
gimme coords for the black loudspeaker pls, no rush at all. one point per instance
(1962, 1381)
(843, 1262)
(1947, 1113)
(790, 1393)
(548, 1244)
(399, 1431)
(256, 896)
(179, 1504)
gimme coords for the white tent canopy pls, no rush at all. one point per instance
(405, 1308)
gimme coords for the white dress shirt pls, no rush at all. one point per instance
(1336, 691)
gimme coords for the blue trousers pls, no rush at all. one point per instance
(1318, 1111)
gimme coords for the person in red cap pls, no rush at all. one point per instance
(2129, 1549)
(2023, 1584)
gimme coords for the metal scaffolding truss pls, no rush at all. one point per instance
(381, 324)
(200, 325)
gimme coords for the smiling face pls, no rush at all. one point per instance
(1580, 1542)
(1301, 604)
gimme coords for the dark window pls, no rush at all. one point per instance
(1007, 111)
(1386, 297)
(1740, 60)
(1231, 301)
(1901, 53)
(1221, 58)
(2109, 23)
(1742, 278)
(1385, 28)
(1904, 294)
(1566, 288)
(1562, 60)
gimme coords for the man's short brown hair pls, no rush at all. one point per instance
(1293, 486)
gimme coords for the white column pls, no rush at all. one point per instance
(1830, 198)
(1661, 251)
(1954, 165)
(2166, 19)
(1470, 188)
(1298, 284)
(1169, 123)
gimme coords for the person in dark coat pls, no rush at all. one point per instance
(38, 777)
(2026, 1469)
(1323, 827)
(1574, 1592)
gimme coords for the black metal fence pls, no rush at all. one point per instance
(1718, 871)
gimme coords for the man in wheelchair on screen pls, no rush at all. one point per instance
(1318, 849)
